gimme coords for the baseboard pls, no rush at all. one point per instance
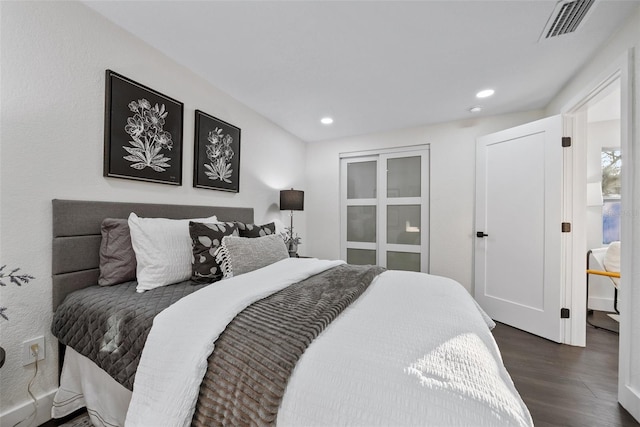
(630, 400)
(601, 304)
(19, 413)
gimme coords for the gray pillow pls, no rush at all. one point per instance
(239, 255)
(117, 258)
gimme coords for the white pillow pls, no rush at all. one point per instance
(163, 250)
(612, 260)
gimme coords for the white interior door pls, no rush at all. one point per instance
(519, 178)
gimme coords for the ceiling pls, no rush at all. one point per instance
(371, 65)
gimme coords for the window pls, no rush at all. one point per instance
(611, 186)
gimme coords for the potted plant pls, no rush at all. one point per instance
(18, 279)
(292, 241)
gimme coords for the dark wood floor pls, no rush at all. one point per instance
(564, 385)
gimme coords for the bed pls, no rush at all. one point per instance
(294, 342)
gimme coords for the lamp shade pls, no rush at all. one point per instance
(594, 194)
(291, 200)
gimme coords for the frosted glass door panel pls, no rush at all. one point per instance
(361, 224)
(403, 224)
(361, 180)
(403, 177)
(403, 261)
(361, 257)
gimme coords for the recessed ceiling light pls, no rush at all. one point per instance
(485, 93)
(475, 109)
(326, 120)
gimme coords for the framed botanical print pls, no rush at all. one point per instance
(143, 132)
(217, 154)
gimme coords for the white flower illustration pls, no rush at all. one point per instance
(148, 137)
(219, 153)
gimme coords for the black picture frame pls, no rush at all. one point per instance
(216, 163)
(143, 132)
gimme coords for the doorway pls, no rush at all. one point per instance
(596, 123)
(620, 72)
(604, 164)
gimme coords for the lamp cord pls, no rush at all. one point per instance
(35, 401)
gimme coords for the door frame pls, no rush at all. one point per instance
(623, 69)
(575, 169)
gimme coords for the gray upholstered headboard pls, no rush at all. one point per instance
(76, 235)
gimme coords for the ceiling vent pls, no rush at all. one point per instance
(566, 17)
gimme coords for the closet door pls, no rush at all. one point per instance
(359, 210)
(404, 211)
(385, 210)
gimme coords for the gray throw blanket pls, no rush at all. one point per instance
(254, 357)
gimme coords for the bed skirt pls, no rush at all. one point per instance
(84, 384)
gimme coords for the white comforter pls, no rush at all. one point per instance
(414, 349)
(174, 358)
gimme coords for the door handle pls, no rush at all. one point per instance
(481, 234)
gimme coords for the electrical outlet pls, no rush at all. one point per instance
(29, 350)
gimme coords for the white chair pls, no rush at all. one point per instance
(608, 265)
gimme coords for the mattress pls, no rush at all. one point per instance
(414, 349)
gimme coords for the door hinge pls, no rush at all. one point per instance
(566, 141)
(566, 227)
(565, 313)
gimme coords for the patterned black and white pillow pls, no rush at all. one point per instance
(205, 240)
(254, 230)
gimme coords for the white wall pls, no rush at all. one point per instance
(626, 43)
(54, 56)
(452, 151)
